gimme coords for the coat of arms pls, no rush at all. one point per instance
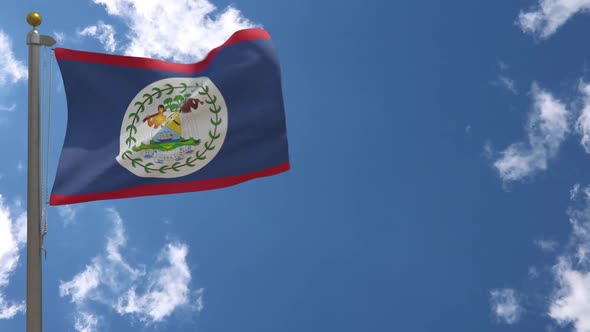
(173, 127)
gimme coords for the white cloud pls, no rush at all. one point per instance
(9, 310)
(580, 221)
(182, 31)
(149, 295)
(546, 245)
(548, 15)
(583, 122)
(86, 322)
(59, 37)
(167, 288)
(82, 284)
(17, 203)
(10, 108)
(504, 81)
(547, 129)
(13, 234)
(571, 304)
(105, 33)
(117, 264)
(505, 305)
(569, 299)
(574, 191)
(11, 69)
(67, 213)
(199, 305)
(507, 83)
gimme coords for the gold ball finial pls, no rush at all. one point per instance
(34, 19)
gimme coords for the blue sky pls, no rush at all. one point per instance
(438, 183)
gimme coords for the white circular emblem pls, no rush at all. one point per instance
(172, 128)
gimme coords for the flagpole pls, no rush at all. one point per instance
(34, 299)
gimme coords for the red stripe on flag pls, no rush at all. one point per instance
(147, 63)
(167, 188)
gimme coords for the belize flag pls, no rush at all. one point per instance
(140, 126)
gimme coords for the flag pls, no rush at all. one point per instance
(139, 126)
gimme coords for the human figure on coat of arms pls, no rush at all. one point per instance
(179, 128)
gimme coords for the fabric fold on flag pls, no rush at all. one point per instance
(139, 126)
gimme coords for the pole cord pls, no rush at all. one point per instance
(47, 140)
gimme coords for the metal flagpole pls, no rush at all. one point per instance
(34, 304)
